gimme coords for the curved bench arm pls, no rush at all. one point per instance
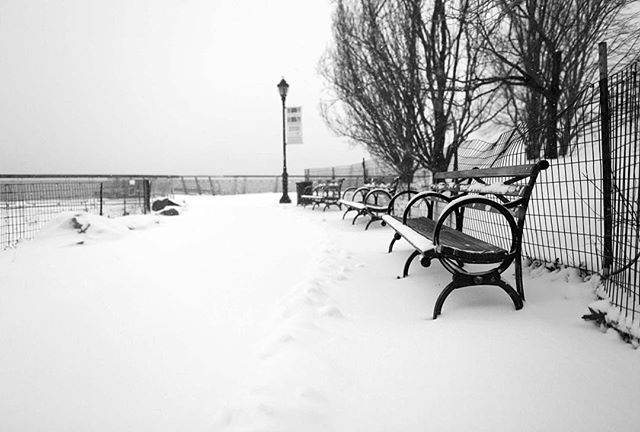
(362, 192)
(423, 196)
(374, 193)
(398, 195)
(347, 190)
(457, 204)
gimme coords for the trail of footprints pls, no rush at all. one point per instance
(287, 389)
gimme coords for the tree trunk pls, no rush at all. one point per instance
(551, 139)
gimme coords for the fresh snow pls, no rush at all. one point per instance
(410, 235)
(245, 315)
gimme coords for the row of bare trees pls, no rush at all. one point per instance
(412, 79)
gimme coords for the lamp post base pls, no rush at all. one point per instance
(285, 199)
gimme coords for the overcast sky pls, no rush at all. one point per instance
(161, 86)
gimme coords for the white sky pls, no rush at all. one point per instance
(161, 86)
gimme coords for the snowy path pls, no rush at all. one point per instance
(242, 315)
(147, 332)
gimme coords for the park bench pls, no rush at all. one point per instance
(371, 200)
(325, 193)
(473, 227)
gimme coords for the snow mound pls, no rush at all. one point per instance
(139, 222)
(79, 228)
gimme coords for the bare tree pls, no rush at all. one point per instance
(404, 76)
(449, 63)
(365, 74)
(544, 51)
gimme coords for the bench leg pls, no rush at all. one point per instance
(345, 213)
(374, 218)
(360, 213)
(519, 284)
(369, 223)
(395, 238)
(407, 263)
(437, 309)
(461, 281)
(517, 300)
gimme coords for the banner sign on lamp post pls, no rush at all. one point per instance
(294, 125)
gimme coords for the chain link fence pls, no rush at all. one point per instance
(28, 203)
(584, 210)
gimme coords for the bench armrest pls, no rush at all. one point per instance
(457, 204)
(373, 194)
(423, 196)
(350, 189)
(398, 195)
(361, 192)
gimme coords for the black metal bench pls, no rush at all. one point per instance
(326, 193)
(473, 227)
(369, 200)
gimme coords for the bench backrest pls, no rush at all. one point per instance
(511, 186)
(333, 188)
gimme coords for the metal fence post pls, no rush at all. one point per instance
(605, 135)
(146, 186)
(364, 172)
(101, 187)
(197, 185)
(184, 186)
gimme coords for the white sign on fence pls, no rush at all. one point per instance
(294, 125)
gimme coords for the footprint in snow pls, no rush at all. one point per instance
(330, 311)
(274, 346)
(313, 394)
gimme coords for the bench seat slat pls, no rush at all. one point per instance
(414, 238)
(458, 244)
(419, 233)
(352, 204)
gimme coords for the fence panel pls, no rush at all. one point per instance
(27, 204)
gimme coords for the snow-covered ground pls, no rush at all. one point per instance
(245, 315)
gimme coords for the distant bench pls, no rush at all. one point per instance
(327, 193)
(479, 224)
(369, 200)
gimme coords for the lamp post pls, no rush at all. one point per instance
(283, 87)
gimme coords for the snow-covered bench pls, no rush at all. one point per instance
(327, 193)
(371, 200)
(353, 199)
(474, 227)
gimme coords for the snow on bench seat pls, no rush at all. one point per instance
(352, 204)
(415, 239)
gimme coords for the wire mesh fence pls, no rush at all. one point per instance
(564, 220)
(28, 203)
(621, 283)
(584, 209)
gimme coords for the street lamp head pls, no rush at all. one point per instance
(283, 88)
